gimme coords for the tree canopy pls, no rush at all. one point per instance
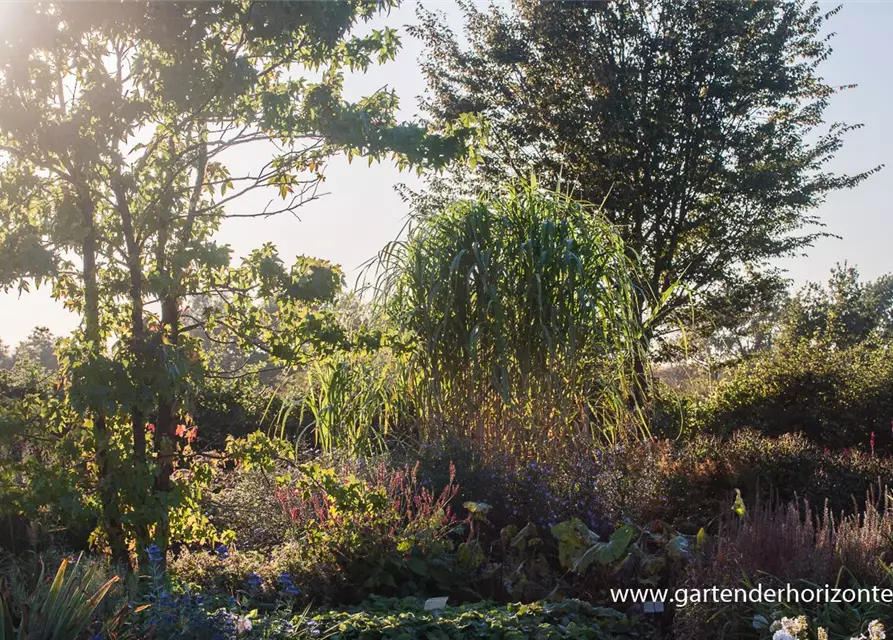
(117, 122)
(699, 126)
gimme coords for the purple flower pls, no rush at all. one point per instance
(154, 553)
(287, 586)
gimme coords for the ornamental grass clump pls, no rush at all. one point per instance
(522, 320)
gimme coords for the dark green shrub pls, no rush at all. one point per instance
(703, 472)
(835, 396)
(235, 407)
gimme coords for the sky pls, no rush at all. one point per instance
(360, 211)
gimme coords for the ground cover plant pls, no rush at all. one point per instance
(491, 436)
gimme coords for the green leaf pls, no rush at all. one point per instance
(678, 548)
(477, 507)
(700, 539)
(417, 566)
(738, 505)
(524, 535)
(605, 553)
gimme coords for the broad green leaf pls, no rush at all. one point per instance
(605, 553)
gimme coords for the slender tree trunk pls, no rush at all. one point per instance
(166, 420)
(137, 328)
(138, 349)
(166, 423)
(111, 512)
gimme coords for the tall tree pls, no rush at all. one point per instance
(40, 348)
(698, 125)
(6, 358)
(845, 312)
(116, 126)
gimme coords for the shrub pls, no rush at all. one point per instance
(699, 474)
(392, 534)
(597, 485)
(383, 531)
(219, 572)
(835, 397)
(237, 407)
(246, 504)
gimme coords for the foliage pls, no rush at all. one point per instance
(701, 473)
(836, 397)
(42, 464)
(115, 130)
(686, 482)
(352, 402)
(700, 126)
(392, 619)
(346, 537)
(245, 503)
(38, 348)
(362, 528)
(63, 611)
(393, 535)
(520, 313)
(597, 485)
(845, 313)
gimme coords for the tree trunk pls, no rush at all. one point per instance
(138, 349)
(165, 425)
(641, 375)
(108, 497)
(166, 420)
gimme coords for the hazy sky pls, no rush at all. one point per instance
(362, 212)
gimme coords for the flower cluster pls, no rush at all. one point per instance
(876, 631)
(154, 553)
(169, 613)
(790, 628)
(798, 629)
(287, 586)
(253, 581)
(312, 627)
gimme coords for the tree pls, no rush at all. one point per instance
(845, 312)
(40, 348)
(697, 125)
(6, 358)
(741, 323)
(116, 123)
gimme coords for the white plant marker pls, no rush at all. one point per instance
(433, 604)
